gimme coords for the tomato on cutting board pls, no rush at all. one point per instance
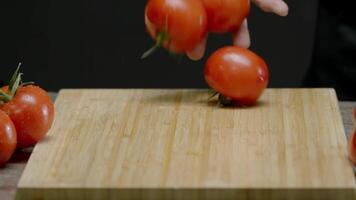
(177, 25)
(30, 109)
(7, 138)
(238, 74)
(352, 142)
(226, 15)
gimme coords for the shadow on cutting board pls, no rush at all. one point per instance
(195, 97)
(21, 156)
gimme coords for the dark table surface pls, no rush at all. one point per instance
(11, 173)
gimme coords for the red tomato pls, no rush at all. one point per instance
(237, 73)
(7, 138)
(352, 142)
(180, 24)
(32, 112)
(226, 15)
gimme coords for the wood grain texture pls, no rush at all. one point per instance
(164, 144)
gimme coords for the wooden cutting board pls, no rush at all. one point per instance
(175, 144)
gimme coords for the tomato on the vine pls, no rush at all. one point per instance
(226, 15)
(7, 138)
(30, 109)
(177, 25)
(238, 74)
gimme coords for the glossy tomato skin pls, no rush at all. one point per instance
(237, 73)
(226, 15)
(352, 148)
(184, 21)
(352, 142)
(7, 138)
(32, 112)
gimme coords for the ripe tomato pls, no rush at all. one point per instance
(237, 73)
(7, 138)
(226, 15)
(177, 25)
(32, 112)
(352, 142)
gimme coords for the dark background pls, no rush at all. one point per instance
(98, 43)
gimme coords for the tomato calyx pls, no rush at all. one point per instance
(4, 97)
(14, 83)
(223, 101)
(161, 38)
(213, 95)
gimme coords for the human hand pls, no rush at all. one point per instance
(242, 37)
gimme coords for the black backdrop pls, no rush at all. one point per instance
(98, 43)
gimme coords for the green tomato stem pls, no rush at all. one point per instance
(161, 38)
(14, 83)
(5, 97)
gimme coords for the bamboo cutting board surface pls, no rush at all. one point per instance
(175, 144)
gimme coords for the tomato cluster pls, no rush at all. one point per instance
(239, 75)
(26, 115)
(180, 25)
